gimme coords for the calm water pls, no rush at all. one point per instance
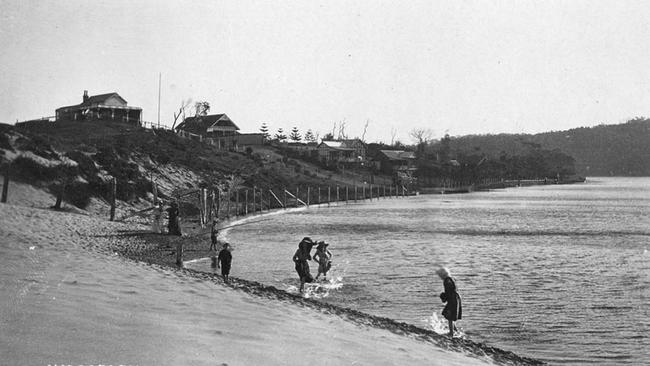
(559, 273)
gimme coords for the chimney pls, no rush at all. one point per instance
(85, 96)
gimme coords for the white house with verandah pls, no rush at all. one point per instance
(109, 106)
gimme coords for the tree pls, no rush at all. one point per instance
(201, 108)
(265, 130)
(295, 135)
(421, 135)
(365, 129)
(181, 111)
(309, 136)
(280, 136)
(328, 136)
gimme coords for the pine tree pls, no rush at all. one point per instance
(309, 136)
(265, 130)
(280, 136)
(295, 135)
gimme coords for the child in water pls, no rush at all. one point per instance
(324, 258)
(453, 310)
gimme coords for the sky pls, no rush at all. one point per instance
(456, 67)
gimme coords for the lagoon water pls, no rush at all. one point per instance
(558, 272)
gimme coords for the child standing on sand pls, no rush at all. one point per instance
(324, 258)
(225, 258)
(214, 232)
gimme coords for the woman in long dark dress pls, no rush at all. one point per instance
(300, 258)
(453, 311)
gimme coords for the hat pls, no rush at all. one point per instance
(306, 243)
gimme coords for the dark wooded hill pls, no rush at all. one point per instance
(604, 150)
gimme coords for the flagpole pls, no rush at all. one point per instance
(159, 78)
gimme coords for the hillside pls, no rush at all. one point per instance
(85, 156)
(605, 150)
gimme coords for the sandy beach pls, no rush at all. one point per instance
(78, 289)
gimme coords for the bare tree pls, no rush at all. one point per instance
(393, 133)
(342, 134)
(181, 111)
(421, 135)
(365, 129)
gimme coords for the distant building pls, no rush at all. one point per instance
(218, 130)
(391, 161)
(212, 125)
(349, 151)
(110, 106)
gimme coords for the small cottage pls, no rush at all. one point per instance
(213, 125)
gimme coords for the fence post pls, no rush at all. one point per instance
(346, 194)
(210, 201)
(246, 198)
(229, 195)
(338, 198)
(355, 193)
(384, 190)
(179, 252)
(5, 186)
(370, 192)
(329, 196)
(59, 196)
(237, 202)
(201, 213)
(218, 202)
(113, 194)
(253, 199)
(308, 195)
(363, 192)
(155, 193)
(285, 198)
(297, 197)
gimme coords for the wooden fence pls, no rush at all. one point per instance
(246, 201)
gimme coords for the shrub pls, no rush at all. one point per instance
(29, 170)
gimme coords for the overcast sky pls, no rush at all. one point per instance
(450, 66)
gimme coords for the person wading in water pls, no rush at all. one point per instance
(453, 310)
(300, 259)
(324, 258)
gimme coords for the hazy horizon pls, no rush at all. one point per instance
(476, 67)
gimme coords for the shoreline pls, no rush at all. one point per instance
(159, 249)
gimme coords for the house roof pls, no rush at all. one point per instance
(337, 145)
(96, 99)
(398, 154)
(201, 124)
